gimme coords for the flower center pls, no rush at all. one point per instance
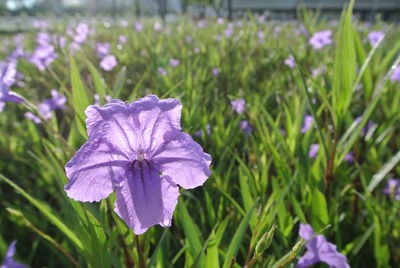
(140, 156)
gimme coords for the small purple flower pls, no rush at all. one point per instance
(238, 105)
(199, 132)
(246, 127)
(393, 188)
(40, 24)
(216, 71)
(138, 27)
(108, 63)
(56, 101)
(289, 61)
(46, 107)
(174, 62)
(103, 49)
(122, 39)
(321, 39)
(138, 151)
(318, 71)
(8, 72)
(220, 20)
(8, 259)
(201, 24)
(228, 32)
(82, 33)
(43, 56)
(349, 157)
(375, 36)
(62, 41)
(319, 250)
(124, 23)
(43, 38)
(162, 71)
(33, 117)
(396, 74)
(314, 148)
(260, 35)
(308, 121)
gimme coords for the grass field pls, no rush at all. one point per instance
(316, 141)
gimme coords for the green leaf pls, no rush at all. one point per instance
(191, 231)
(212, 252)
(119, 84)
(47, 212)
(98, 81)
(80, 100)
(236, 241)
(319, 210)
(381, 174)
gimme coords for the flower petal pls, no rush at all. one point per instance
(154, 118)
(94, 170)
(114, 122)
(145, 199)
(308, 259)
(183, 160)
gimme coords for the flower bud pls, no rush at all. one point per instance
(265, 240)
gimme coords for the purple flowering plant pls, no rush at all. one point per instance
(138, 151)
(319, 250)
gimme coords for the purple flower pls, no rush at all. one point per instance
(82, 33)
(138, 151)
(319, 250)
(40, 24)
(314, 148)
(260, 35)
(8, 72)
(220, 20)
(43, 56)
(103, 49)
(46, 107)
(174, 62)
(228, 32)
(8, 259)
(201, 24)
(246, 127)
(393, 188)
(216, 71)
(162, 71)
(122, 39)
(308, 121)
(108, 63)
(375, 36)
(124, 23)
(396, 74)
(349, 157)
(139, 27)
(33, 117)
(289, 61)
(321, 39)
(62, 41)
(238, 105)
(43, 38)
(199, 132)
